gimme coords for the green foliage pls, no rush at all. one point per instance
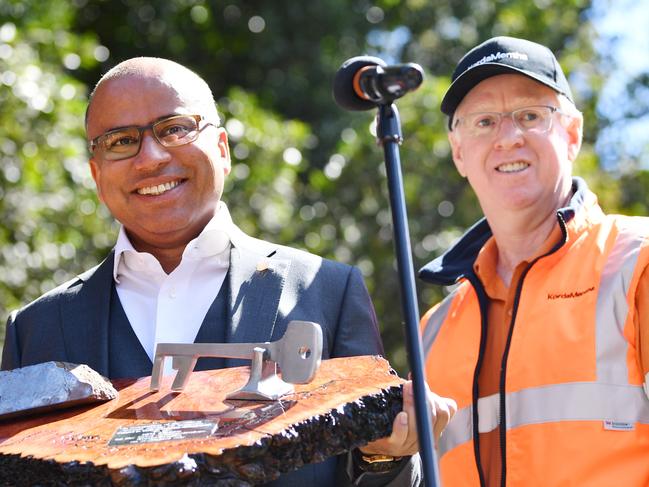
(262, 191)
(51, 224)
(305, 173)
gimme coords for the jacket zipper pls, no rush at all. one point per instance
(503, 371)
(482, 301)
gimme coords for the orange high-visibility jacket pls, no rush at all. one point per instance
(573, 406)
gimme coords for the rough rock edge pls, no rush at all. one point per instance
(73, 385)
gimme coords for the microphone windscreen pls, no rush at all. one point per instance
(343, 89)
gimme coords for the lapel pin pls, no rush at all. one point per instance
(262, 265)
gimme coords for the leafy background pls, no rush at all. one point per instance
(305, 173)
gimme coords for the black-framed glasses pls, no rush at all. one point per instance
(125, 142)
(528, 119)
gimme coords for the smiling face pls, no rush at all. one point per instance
(164, 196)
(511, 171)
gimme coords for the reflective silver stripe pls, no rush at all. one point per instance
(612, 307)
(575, 401)
(435, 322)
(459, 430)
(488, 413)
(646, 384)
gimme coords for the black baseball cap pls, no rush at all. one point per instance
(504, 55)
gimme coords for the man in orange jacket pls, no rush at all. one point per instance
(543, 342)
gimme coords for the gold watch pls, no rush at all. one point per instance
(371, 462)
(378, 458)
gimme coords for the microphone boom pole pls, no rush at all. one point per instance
(389, 136)
(363, 83)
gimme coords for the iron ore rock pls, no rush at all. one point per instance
(50, 385)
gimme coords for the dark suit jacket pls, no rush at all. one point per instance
(70, 323)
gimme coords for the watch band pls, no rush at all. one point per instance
(377, 458)
(376, 463)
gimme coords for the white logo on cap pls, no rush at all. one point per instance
(499, 55)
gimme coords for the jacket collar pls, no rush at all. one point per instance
(457, 262)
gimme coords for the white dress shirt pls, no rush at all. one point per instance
(171, 307)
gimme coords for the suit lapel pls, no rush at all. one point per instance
(256, 282)
(84, 317)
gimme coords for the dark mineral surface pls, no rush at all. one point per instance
(50, 385)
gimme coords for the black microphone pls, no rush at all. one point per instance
(364, 82)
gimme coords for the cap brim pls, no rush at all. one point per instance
(469, 79)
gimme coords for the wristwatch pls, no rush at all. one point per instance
(376, 462)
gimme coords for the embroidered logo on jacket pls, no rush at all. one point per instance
(571, 294)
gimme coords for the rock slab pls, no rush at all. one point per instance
(50, 385)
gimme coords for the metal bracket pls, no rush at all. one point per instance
(264, 383)
(298, 354)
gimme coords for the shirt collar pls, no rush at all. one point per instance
(487, 260)
(215, 239)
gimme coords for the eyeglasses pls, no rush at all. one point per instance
(126, 142)
(528, 119)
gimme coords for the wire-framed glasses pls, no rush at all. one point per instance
(125, 142)
(528, 119)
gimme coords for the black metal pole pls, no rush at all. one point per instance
(389, 135)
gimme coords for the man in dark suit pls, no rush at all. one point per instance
(182, 271)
